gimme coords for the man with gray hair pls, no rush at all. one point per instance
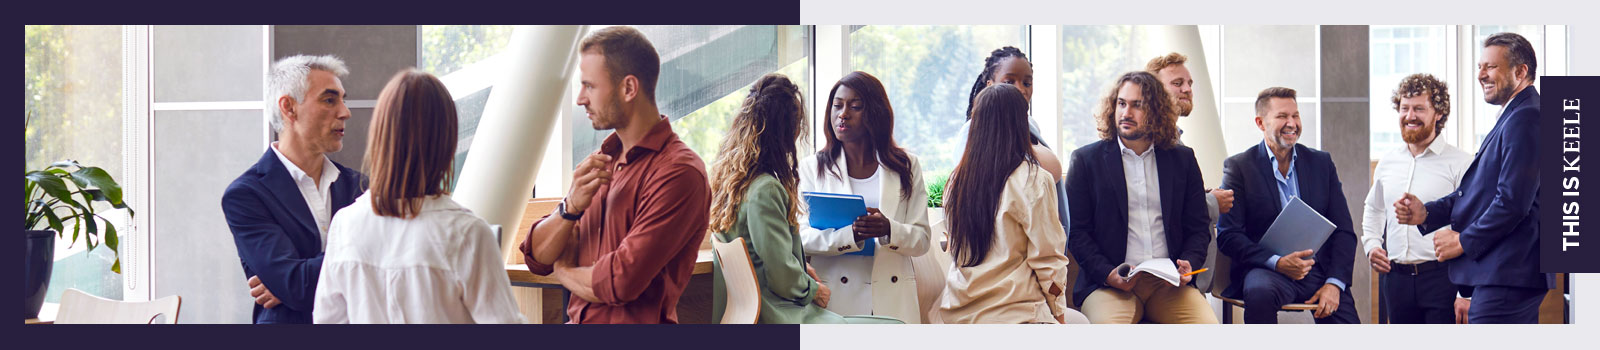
(279, 209)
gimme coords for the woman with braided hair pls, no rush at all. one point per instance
(753, 197)
(1008, 65)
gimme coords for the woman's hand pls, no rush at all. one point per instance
(872, 225)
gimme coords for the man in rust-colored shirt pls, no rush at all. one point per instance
(625, 239)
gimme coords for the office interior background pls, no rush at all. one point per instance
(174, 113)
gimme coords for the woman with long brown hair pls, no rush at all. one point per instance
(753, 197)
(867, 265)
(1006, 238)
(404, 252)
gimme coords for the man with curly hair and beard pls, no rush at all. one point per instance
(1136, 198)
(1414, 284)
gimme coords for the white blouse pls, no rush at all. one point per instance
(443, 266)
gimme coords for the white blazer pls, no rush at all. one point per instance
(893, 288)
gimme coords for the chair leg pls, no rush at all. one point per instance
(1227, 313)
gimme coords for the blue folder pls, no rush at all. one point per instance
(835, 210)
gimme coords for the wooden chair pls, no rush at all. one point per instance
(1220, 282)
(78, 307)
(739, 277)
(930, 269)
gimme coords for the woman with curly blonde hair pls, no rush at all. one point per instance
(753, 197)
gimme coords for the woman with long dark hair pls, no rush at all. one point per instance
(1006, 237)
(404, 252)
(753, 197)
(867, 265)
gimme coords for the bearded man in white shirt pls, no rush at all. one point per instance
(1415, 285)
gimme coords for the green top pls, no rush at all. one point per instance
(787, 291)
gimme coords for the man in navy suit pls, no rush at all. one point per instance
(280, 208)
(1136, 195)
(1264, 178)
(1495, 255)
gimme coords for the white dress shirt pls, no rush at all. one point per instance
(1146, 237)
(442, 266)
(1438, 171)
(316, 193)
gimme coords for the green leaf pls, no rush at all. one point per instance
(75, 230)
(28, 189)
(111, 237)
(55, 222)
(98, 178)
(53, 186)
(111, 242)
(94, 229)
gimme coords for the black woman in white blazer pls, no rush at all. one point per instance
(860, 157)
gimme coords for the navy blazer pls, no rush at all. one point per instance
(1256, 205)
(277, 237)
(1097, 193)
(1496, 207)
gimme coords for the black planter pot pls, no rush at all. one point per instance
(39, 253)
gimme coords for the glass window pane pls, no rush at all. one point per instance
(73, 109)
(445, 49)
(461, 56)
(928, 72)
(1258, 57)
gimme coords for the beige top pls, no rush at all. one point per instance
(1014, 284)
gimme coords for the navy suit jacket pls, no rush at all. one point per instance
(1097, 193)
(1495, 208)
(1256, 205)
(277, 237)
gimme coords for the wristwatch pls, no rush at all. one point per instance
(562, 209)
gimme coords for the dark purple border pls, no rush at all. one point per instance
(1554, 178)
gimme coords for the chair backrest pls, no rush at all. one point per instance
(1206, 281)
(1220, 275)
(78, 307)
(499, 234)
(739, 276)
(932, 267)
(537, 208)
(1072, 262)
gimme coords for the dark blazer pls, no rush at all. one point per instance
(1496, 207)
(1255, 206)
(276, 235)
(1097, 194)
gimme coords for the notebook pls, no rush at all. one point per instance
(1161, 267)
(1298, 227)
(836, 210)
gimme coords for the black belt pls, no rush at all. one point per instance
(1414, 269)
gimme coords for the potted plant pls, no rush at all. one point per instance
(59, 195)
(936, 208)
